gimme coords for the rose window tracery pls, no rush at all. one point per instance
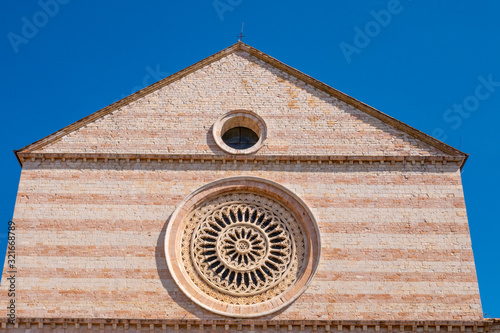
(242, 249)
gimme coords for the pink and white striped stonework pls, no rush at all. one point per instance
(104, 205)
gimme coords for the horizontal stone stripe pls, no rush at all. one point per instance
(169, 172)
(125, 296)
(406, 310)
(342, 240)
(113, 212)
(391, 277)
(396, 241)
(178, 139)
(78, 285)
(143, 134)
(367, 191)
(380, 255)
(325, 267)
(133, 296)
(100, 285)
(386, 312)
(81, 212)
(375, 202)
(164, 134)
(394, 228)
(142, 273)
(119, 239)
(390, 298)
(103, 263)
(396, 266)
(325, 227)
(94, 273)
(90, 251)
(183, 145)
(33, 199)
(354, 254)
(393, 287)
(90, 225)
(104, 309)
(390, 214)
(97, 185)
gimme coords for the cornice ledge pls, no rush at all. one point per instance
(210, 158)
(485, 325)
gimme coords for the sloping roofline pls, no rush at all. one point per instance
(266, 58)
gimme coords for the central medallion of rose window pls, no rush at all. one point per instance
(242, 249)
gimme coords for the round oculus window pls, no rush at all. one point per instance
(239, 132)
(240, 138)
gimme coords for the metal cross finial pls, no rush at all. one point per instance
(241, 34)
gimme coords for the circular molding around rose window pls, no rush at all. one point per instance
(244, 120)
(242, 246)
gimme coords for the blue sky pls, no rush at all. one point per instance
(432, 64)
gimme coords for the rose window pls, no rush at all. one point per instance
(242, 246)
(242, 249)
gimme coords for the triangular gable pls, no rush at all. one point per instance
(412, 141)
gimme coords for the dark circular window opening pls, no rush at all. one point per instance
(240, 138)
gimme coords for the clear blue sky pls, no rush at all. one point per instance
(432, 64)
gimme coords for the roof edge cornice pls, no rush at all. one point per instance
(265, 159)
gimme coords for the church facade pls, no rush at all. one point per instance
(240, 194)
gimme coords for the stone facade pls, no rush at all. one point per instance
(95, 199)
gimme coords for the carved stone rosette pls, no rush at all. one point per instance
(243, 244)
(241, 247)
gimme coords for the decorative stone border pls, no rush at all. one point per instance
(239, 118)
(161, 325)
(256, 159)
(260, 186)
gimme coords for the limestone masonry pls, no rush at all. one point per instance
(136, 218)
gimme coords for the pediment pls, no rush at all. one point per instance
(304, 117)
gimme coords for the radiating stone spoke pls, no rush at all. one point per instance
(242, 248)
